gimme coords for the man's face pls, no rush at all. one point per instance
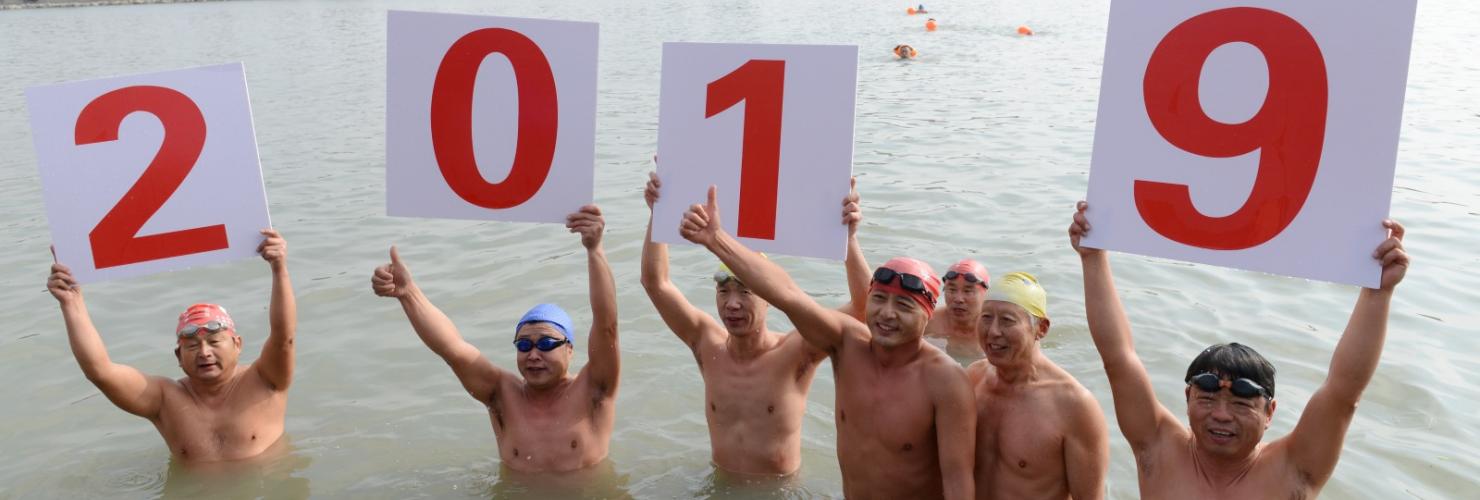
(894, 319)
(742, 312)
(209, 357)
(963, 299)
(1008, 334)
(543, 369)
(1225, 425)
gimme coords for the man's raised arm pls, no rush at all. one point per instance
(823, 328)
(1315, 444)
(606, 361)
(128, 388)
(1141, 417)
(855, 263)
(275, 364)
(685, 320)
(478, 375)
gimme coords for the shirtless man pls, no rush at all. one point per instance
(904, 408)
(220, 410)
(966, 283)
(1230, 396)
(1039, 434)
(545, 420)
(755, 380)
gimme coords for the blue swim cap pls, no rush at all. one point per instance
(548, 313)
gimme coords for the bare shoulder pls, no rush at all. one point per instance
(978, 371)
(253, 375)
(794, 346)
(938, 367)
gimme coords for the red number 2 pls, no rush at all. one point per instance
(452, 118)
(1287, 131)
(115, 240)
(760, 84)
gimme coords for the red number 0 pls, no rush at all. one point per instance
(1287, 131)
(760, 84)
(115, 240)
(452, 118)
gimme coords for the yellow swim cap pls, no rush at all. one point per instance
(1022, 289)
(724, 274)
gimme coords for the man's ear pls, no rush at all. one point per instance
(237, 340)
(1269, 415)
(1042, 328)
(177, 354)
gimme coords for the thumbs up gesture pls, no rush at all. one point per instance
(701, 223)
(392, 280)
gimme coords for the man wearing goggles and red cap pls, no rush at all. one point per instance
(966, 282)
(1229, 389)
(545, 419)
(1039, 433)
(220, 410)
(905, 412)
(755, 380)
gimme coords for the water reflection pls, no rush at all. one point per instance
(600, 481)
(723, 484)
(273, 474)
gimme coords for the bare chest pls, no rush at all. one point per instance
(766, 387)
(1176, 475)
(886, 411)
(240, 425)
(564, 434)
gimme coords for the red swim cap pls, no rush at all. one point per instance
(973, 267)
(915, 267)
(201, 314)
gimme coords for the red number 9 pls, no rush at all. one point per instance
(1287, 131)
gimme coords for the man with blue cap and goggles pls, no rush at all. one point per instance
(545, 419)
(1039, 433)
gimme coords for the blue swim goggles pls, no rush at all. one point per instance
(545, 344)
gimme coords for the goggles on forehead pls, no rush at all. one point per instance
(191, 330)
(544, 344)
(722, 277)
(970, 277)
(1240, 387)
(909, 282)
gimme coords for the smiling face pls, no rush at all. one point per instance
(1008, 334)
(1227, 426)
(963, 299)
(894, 319)
(210, 357)
(742, 312)
(543, 369)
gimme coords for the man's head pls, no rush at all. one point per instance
(1014, 317)
(1230, 399)
(901, 299)
(206, 343)
(741, 312)
(544, 345)
(965, 285)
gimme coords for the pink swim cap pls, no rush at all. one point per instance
(973, 267)
(201, 314)
(914, 267)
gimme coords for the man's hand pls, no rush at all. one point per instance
(392, 280)
(1390, 252)
(650, 193)
(701, 223)
(589, 223)
(62, 285)
(1078, 229)
(274, 249)
(852, 212)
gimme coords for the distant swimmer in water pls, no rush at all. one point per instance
(930, 24)
(1229, 391)
(966, 284)
(920, 9)
(545, 419)
(221, 410)
(905, 52)
(755, 380)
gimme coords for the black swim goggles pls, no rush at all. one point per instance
(1240, 387)
(545, 344)
(190, 330)
(907, 281)
(970, 277)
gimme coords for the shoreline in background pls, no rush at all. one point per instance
(41, 4)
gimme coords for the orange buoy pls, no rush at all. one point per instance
(930, 25)
(910, 11)
(1023, 30)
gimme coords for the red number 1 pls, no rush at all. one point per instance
(1287, 131)
(759, 83)
(452, 118)
(115, 240)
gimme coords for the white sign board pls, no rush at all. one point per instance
(149, 173)
(772, 127)
(489, 117)
(1254, 134)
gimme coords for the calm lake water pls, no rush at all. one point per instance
(978, 148)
